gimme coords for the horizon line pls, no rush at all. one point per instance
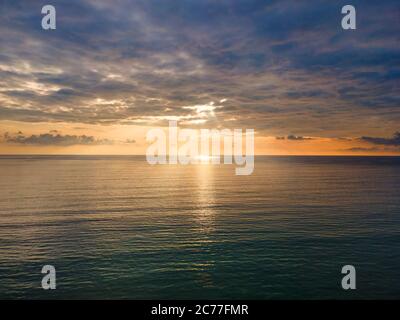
(257, 155)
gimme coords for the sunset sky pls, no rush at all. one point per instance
(114, 69)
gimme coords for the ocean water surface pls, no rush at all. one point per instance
(115, 227)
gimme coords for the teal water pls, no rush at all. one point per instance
(116, 227)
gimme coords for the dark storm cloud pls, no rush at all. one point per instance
(283, 66)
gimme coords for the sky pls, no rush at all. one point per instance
(112, 70)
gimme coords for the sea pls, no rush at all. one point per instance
(116, 227)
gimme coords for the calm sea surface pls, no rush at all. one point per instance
(116, 227)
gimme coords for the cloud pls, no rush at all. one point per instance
(394, 141)
(377, 149)
(282, 67)
(361, 149)
(298, 138)
(294, 138)
(54, 139)
(130, 141)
